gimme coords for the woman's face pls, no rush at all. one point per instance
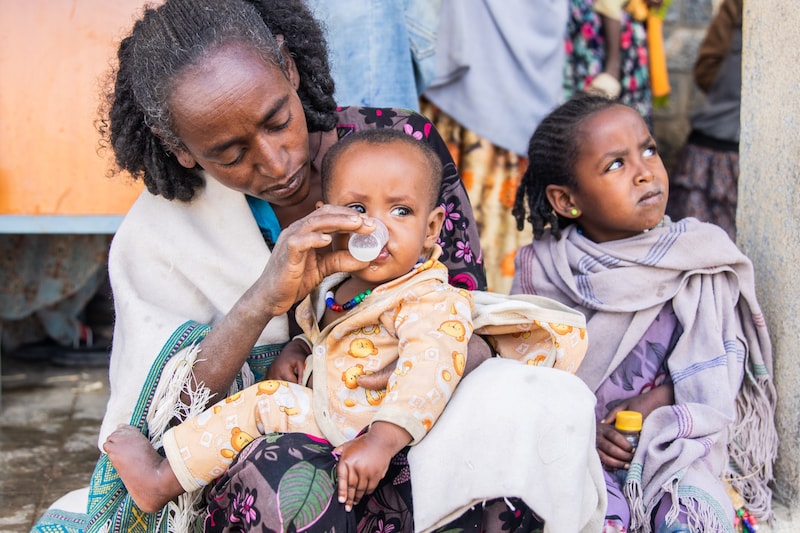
(241, 120)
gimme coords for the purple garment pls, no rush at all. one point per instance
(643, 369)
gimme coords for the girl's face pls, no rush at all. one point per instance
(622, 185)
(241, 120)
(388, 182)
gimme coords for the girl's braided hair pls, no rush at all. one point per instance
(552, 154)
(136, 122)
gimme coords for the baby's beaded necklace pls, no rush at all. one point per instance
(333, 306)
(360, 297)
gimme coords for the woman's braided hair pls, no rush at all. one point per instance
(552, 154)
(137, 124)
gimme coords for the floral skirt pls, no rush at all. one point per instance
(491, 176)
(586, 56)
(286, 482)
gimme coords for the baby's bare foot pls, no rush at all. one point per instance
(147, 476)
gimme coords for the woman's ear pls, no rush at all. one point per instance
(435, 221)
(319, 204)
(560, 198)
(183, 156)
(292, 73)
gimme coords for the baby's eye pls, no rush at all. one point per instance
(615, 164)
(650, 151)
(401, 211)
(358, 207)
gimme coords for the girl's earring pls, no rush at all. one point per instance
(574, 212)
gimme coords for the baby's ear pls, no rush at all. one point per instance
(435, 221)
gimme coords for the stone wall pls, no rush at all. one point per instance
(769, 189)
(769, 206)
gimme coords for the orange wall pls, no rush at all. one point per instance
(54, 56)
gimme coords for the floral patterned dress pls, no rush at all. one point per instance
(586, 56)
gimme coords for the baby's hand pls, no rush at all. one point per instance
(614, 449)
(365, 460)
(361, 467)
(290, 363)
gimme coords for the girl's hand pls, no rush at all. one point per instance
(290, 364)
(365, 460)
(613, 448)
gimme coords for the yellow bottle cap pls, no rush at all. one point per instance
(628, 421)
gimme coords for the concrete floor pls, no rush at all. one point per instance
(49, 419)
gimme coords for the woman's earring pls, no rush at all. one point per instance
(574, 212)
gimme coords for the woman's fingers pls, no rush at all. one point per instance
(330, 219)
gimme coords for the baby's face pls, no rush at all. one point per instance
(388, 182)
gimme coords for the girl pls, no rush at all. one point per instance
(674, 327)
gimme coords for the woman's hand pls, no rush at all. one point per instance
(365, 460)
(290, 364)
(299, 261)
(302, 257)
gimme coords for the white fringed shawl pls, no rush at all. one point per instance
(722, 423)
(173, 262)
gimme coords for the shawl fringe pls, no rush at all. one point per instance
(167, 406)
(753, 447)
(703, 513)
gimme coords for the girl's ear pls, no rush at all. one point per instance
(435, 221)
(291, 68)
(560, 198)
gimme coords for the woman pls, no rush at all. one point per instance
(226, 121)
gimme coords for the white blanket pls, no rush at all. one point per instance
(545, 454)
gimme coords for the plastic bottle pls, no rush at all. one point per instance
(629, 423)
(367, 246)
